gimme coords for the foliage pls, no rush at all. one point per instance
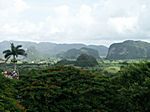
(65, 62)
(14, 51)
(85, 60)
(129, 50)
(8, 103)
(75, 53)
(70, 89)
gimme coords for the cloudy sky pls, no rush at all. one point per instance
(75, 21)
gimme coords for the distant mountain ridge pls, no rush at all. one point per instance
(129, 50)
(47, 49)
(75, 53)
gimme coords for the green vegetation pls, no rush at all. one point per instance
(44, 50)
(8, 92)
(83, 60)
(70, 89)
(129, 50)
(75, 53)
(86, 84)
(15, 51)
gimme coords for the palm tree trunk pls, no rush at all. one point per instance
(15, 68)
(6, 63)
(14, 61)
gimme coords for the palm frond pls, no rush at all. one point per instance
(21, 52)
(18, 46)
(15, 51)
(6, 51)
(7, 55)
(7, 59)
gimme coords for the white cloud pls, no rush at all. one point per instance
(62, 10)
(13, 5)
(85, 15)
(20, 5)
(124, 24)
(95, 21)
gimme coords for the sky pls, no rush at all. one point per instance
(100, 22)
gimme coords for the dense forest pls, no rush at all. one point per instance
(71, 89)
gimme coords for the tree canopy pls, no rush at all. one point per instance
(85, 60)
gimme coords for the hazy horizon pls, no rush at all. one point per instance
(74, 42)
(96, 22)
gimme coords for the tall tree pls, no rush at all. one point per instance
(13, 52)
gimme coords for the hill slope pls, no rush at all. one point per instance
(129, 50)
(46, 49)
(74, 53)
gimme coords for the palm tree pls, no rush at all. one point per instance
(14, 52)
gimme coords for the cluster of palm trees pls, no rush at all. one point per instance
(13, 53)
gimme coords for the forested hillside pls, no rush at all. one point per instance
(129, 50)
(68, 89)
(75, 53)
(45, 50)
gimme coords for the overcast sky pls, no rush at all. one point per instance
(75, 21)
